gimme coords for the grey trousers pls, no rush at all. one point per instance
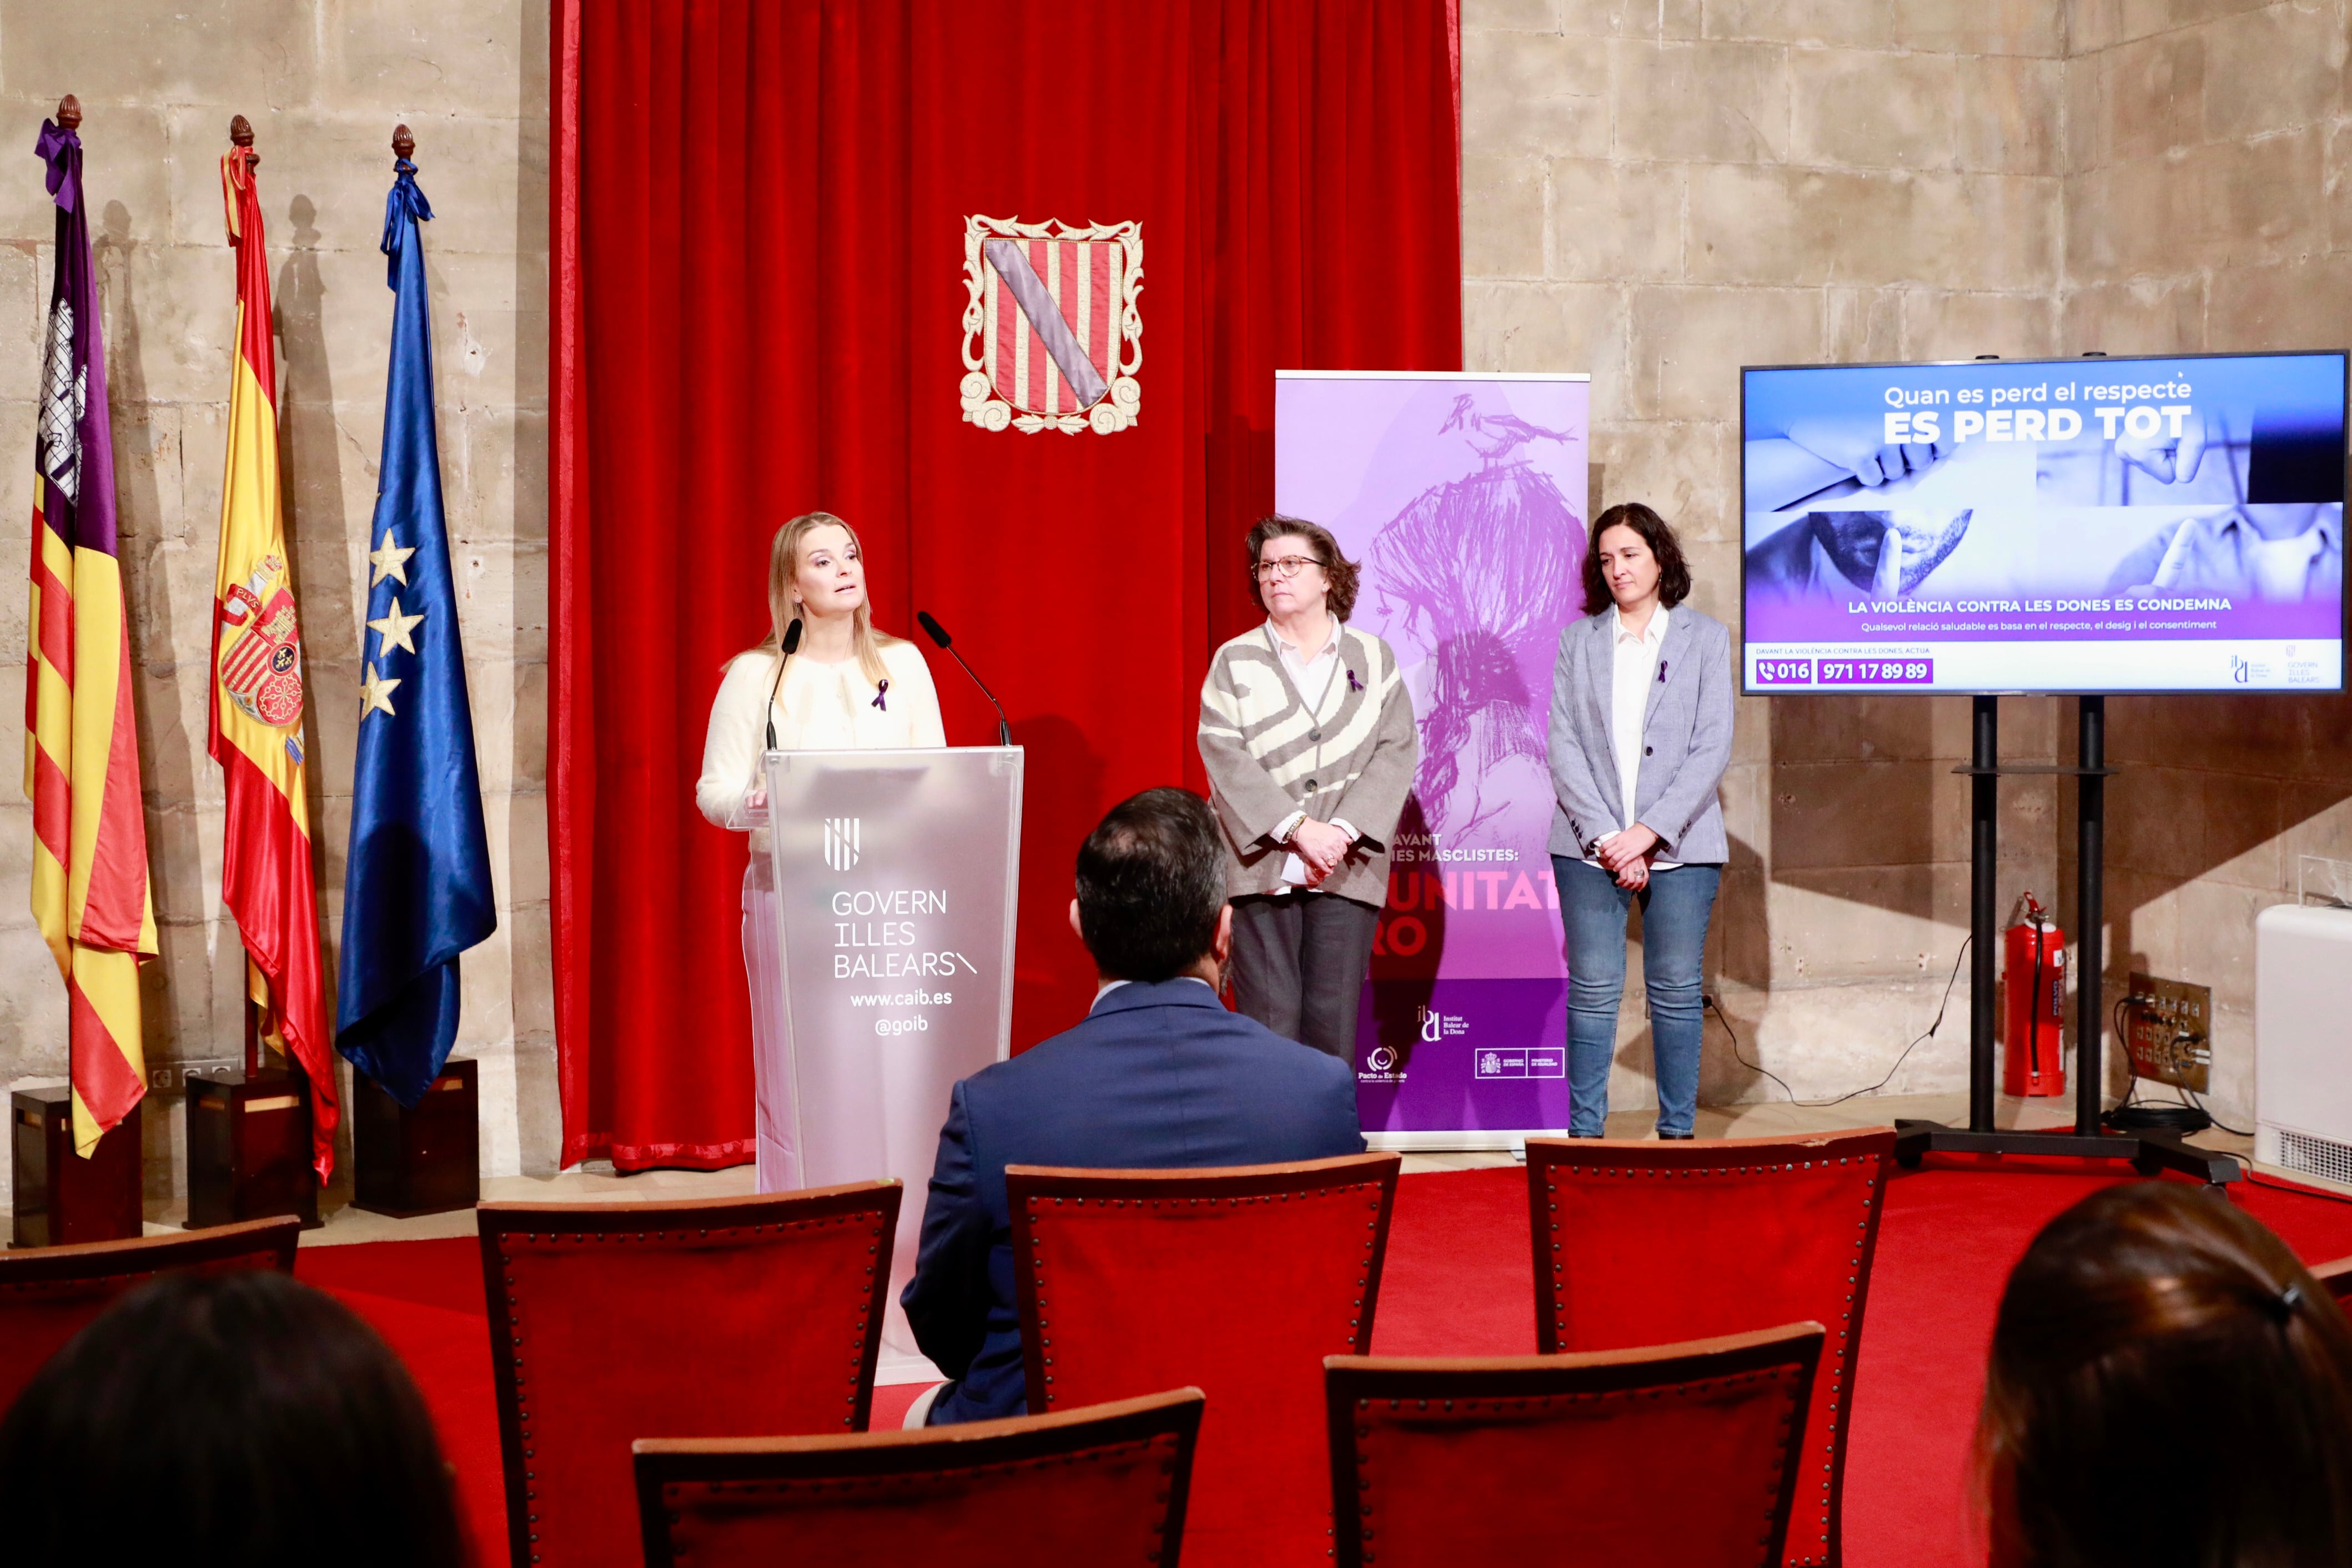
(1299, 962)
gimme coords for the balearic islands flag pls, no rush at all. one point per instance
(257, 697)
(416, 890)
(81, 743)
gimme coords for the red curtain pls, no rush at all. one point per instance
(759, 230)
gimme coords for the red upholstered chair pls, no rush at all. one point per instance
(2337, 1277)
(48, 1293)
(718, 1318)
(1101, 1485)
(1238, 1282)
(1683, 1454)
(1641, 1244)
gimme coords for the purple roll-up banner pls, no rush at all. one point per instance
(1463, 499)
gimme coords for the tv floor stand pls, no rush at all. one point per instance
(2149, 1152)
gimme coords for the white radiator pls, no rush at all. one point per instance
(2303, 1040)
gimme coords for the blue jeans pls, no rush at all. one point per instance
(1674, 910)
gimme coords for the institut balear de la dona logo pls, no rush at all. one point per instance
(1052, 338)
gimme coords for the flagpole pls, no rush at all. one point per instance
(418, 888)
(240, 134)
(89, 887)
(257, 697)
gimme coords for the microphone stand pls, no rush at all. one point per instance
(938, 635)
(788, 646)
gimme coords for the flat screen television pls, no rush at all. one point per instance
(2081, 525)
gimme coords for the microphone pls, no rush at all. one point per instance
(938, 635)
(790, 646)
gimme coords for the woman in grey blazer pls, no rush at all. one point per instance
(1641, 713)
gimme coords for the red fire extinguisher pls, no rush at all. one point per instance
(2033, 969)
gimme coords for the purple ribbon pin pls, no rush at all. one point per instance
(880, 692)
(1353, 684)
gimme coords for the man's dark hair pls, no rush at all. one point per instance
(1151, 882)
(1674, 573)
(218, 1419)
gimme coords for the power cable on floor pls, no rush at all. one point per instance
(1941, 1008)
(1740, 1057)
(2198, 1102)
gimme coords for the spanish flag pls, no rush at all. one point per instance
(82, 741)
(256, 699)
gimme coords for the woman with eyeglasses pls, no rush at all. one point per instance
(1307, 734)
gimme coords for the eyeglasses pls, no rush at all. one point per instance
(1284, 568)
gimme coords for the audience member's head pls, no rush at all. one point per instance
(2168, 1386)
(226, 1419)
(1151, 889)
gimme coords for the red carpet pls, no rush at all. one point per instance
(1458, 1281)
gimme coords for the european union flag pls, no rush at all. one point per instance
(416, 892)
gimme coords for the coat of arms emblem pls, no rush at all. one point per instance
(262, 656)
(1052, 339)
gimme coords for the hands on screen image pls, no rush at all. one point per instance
(2173, 459)
(2281, 552)
(1888, 553)
(1856, 446)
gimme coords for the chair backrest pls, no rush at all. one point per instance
(1684, 1454)
(1103, 1484)
(1642, 1243)
(2337, 1277)
(49, 1293)
(718, 1318)
(1235, 1280)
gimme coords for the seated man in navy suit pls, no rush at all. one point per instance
(1159, 1075)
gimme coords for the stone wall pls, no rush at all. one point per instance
(2209, 207)
(323, 82)
(1656, 190)
(1662, 193)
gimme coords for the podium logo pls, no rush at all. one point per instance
(841, 842)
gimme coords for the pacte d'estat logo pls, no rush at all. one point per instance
(1052, 337)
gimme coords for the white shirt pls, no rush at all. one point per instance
(818, 707)
(1313, 676)
(1632, 673)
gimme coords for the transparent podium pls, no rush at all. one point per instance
(879, 944)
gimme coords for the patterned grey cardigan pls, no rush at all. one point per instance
(1267, 757)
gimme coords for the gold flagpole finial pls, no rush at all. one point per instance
(240, 131)
(403, 144)
(68, 113)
